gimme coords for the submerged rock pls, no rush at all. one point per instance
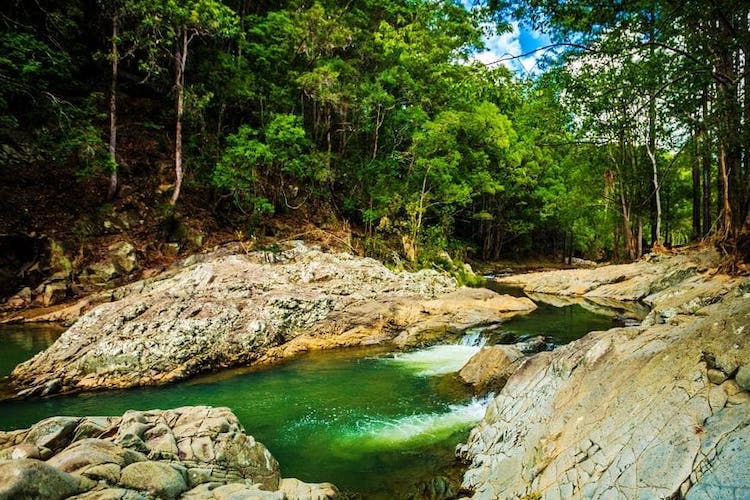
(651, 411)
(228, 309)
(214, 459)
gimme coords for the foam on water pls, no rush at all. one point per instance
(441, 359)
(418, 428)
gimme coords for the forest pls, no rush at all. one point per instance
(634, 134)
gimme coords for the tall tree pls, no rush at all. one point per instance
(170, 27)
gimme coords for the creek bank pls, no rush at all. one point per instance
(659, 410)
(229, 309)
(198, 453)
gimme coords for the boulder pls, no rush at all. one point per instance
(123, 255)
(225, 309)
(156, 478)
(294, 489)
(91, 452)
(54, 433)
(489, 369)
(30, 478)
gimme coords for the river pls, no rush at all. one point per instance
(373, 423)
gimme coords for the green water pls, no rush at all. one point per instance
(371, 423)
(21, 342)
(353, 418)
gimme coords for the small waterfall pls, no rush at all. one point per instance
(420, 428)
(442, 359)
(474, 338)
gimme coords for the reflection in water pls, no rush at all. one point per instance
(21, 342)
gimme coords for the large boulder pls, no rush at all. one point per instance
(30, 478)
(227, 309)
(157, 479)
(641, 412)
(489, 369)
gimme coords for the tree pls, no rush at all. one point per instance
(170, 27)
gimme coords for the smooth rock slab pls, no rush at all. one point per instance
(626, 413)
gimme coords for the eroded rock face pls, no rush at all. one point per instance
(229, 309)
(652, 411)
(190, 452)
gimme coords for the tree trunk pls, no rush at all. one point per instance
(696, 177)
(113, 179)
(657, 196)
(726, 210)
(180, 60)
(706, 167)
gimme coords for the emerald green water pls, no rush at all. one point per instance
(371, 423)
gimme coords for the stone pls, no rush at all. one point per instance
(54, 433)
(88, 452)
(294, 489)
(123, 256)
(109, 473)
(489, 369)
(716, 376)
(236, 491)
(241, 454)
(223, 454)
(21, 451)
(111, 494)
(156, 478)
(30, 478)
(54, 293)
(743, 377)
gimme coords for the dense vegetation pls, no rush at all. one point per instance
(372, 112)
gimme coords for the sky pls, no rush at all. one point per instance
(520, 40)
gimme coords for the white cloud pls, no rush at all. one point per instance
(506, 49)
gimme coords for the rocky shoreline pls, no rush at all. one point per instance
(237, 309)
(659, 410)
(194, 453)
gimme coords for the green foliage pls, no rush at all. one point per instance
(253, 159)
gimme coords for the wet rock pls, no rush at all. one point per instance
(489, 369)
(156, 478)
(29, 478)
(533, 345)
(227, 309)
(438, 488)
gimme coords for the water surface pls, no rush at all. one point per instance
(371, 422)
